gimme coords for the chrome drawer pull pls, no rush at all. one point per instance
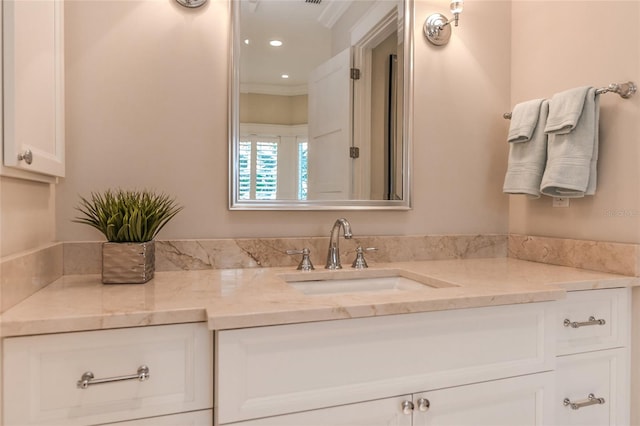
(592, 321)
(591, 400)
(88, 378)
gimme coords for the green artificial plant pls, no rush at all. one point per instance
(125, 216)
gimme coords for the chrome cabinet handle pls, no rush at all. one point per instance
(423, 404)
(592, 321)
(591, 400)
(407, 407)
(88, 378)
(27, 156)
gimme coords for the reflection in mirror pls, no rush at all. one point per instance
(320, 104)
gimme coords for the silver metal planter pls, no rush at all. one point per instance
(128, 263)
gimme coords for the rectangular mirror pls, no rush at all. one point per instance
(320, 104)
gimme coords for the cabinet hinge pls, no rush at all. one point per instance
(355, 73)
(354, 152)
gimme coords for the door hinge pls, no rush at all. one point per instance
(354, 152)
(355, 73)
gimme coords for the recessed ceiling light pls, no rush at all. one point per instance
(246, 41)
(275, 43)
(285, 75)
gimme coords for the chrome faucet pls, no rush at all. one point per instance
(333, 257)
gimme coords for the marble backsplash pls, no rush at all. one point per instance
(174, 255)
(23, 274)
(617, 258)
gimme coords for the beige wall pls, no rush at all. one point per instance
(557, 45)
(27, 215)
(273, 109)
(146, 107)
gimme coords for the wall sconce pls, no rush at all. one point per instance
(191, 3)
(437, 28)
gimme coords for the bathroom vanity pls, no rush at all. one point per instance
(490, 366)
(504, 343)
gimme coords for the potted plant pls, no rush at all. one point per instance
(129, 220)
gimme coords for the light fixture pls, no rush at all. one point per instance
(437, 28)
(275, 43)
(191, 3)
(285, 76)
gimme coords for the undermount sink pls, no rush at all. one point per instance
(341, 281)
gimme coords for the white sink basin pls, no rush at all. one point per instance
(334, 282)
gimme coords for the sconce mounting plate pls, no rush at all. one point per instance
(191, 3)
(437, 29)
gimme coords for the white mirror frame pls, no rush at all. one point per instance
(234, 132)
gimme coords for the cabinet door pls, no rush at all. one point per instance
(525, 400)
(33, 81)
(603, 374)
(383, 412)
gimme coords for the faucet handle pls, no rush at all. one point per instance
(305, 263)
(360, 262)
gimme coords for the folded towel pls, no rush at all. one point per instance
(572, 157)
(527, 160)
(523, 121)
(565, 110)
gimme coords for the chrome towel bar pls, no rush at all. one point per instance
(625, 90)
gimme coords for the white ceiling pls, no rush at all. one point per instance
(305, 30)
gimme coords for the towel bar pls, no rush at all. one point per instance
(625, 90)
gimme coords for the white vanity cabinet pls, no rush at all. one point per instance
(108, 376)
(592, 374)
(494, 361)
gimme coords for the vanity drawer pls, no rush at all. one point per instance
(602, 374)
(268, 371)
(593, 320)
(44, 371)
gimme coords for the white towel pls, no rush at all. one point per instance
(572, 151)
(527, 159)
(524, 119)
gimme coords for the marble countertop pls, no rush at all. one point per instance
(235, 298)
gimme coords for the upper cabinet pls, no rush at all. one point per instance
(33, 82)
